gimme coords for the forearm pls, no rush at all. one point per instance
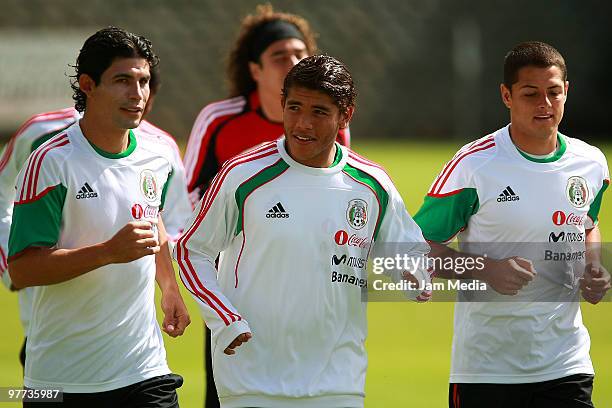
(593, 246)
(164, 271)
(48, 266)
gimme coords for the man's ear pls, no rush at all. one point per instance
(346, 116)
(255, 70)
(86, 84)
(506, 95)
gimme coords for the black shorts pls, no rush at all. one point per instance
(567, 392)
(156, 392)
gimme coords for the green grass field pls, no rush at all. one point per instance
(408, 345)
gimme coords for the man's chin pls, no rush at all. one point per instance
(130, 124)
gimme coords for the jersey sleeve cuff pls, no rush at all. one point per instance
(228, 333)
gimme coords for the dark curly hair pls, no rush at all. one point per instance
(99, 52)
(531, 53)
(238, 74)
(325, 74)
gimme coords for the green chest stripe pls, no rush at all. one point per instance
(381, 194)
(256, 181)
(442, 217)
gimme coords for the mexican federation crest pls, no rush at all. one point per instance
(357, 213)
(148, 185)
(577, 191)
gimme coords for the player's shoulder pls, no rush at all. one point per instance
(44, 123)
(220, 110)
(585, 150)
(479, 150)
(51, 155)
(150, 134)
(369, 167)
(245, 166)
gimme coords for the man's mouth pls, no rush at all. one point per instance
(135, 109)
(303, 138)
(543, 117)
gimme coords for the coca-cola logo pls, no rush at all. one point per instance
(343, 238)
(137, 211)
(560, 218)
(148, 212)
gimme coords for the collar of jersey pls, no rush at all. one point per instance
(558, 154)
(336, 167)
(130, 149)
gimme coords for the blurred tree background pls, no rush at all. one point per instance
(424, 68)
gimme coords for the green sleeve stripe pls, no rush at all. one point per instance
(596, 204)
(381, 194)
(37, 223)
(441, 217)
(42, 139)
(165, 189)
(245, 189)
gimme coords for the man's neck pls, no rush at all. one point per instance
(271, 106)
(536, 145)
(106, 138)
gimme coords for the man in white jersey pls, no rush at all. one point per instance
(279, 215)
(518, 194)
(86, 232)
(42, 127)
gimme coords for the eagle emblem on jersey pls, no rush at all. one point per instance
(148, 185)
(577, 191)
(357, 213)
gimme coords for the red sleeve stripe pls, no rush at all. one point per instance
(201, 296)
(36, 197)
(43, 117)
(3, 263)
(34, 163)
(193, 154)
(450, 193)
(472, 145)
(451, 165)
(183, 254)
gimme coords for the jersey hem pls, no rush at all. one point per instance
(327, 401)
(519, 378)
(99, 387)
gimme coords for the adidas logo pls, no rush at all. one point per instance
(278, 211)
(86, 192)
(507, 195)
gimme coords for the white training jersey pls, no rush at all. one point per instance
(504, 203)
(96, 332)
(40, 128)
(278, 225)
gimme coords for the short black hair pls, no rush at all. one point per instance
(325, 74)
(531, 53)
(99, 52)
